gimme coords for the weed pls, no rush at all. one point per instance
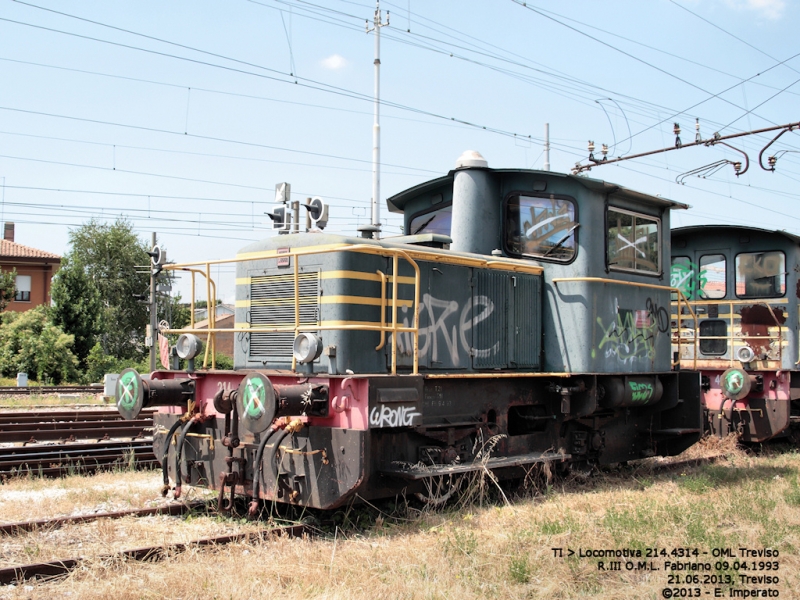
(519, 570)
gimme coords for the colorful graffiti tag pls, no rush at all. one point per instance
(682, 276)
(632, 334)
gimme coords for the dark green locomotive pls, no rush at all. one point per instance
(523, 319)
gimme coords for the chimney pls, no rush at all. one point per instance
(8, 231)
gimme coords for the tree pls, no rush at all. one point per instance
(30, 343)
(8, 287)
(77, 307)
(109, 255)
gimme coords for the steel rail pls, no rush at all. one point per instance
(11, 390)
(56, 522)
(62, 567)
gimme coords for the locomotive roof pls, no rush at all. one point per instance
(733, 229)
(398, 202)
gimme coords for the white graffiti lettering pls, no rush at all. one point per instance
(447, 336)
(386, 416)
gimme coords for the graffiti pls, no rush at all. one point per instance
(630, 336)
(445, 336)
(659, 314)
(402, 416)
(682, 276)
(640, 392)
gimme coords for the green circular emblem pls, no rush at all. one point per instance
(733, 382)
(254, 397)
(127, 390)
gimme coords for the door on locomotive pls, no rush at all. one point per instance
(742, 284)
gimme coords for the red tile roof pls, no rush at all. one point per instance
(14, 250)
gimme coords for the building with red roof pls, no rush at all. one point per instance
(35, 270)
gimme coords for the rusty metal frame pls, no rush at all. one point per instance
(729, 317)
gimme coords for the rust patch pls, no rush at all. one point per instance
(756, 321)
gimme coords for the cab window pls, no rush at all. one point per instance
(541, 227)
(713, 268)
(435, 221)
(634, 242)
(760, 274)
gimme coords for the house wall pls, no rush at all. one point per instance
(41, 276)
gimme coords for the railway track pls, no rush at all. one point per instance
(61, 567)
(43, 390)
(56, 443)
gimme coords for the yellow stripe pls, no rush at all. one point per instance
(361, 275)
(363, 300)
(329, 324)
(275, 302)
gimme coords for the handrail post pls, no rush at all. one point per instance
(383, 310)
(396, 276)
(210, 308)
(296, 274)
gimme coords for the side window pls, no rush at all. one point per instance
(437, 221)
(713, 269)
(633, 242)
(23, 288)
(541, 227)
(760, 275)
(683, 277)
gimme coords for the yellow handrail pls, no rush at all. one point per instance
(382, 327)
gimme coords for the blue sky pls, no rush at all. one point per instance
(182, 116)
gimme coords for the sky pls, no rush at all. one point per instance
(182, 116)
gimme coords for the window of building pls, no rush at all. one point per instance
(634, 242)
(541, 227)
(760, 274)
(23, 289)
(713, 269)
(435, 221)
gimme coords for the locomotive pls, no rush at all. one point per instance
(742, 284)
(522, 319)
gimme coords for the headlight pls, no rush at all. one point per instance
(307, 347)
(745, 354)
(188, 346)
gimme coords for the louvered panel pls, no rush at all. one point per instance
(490, 334)
(272, 304)
(528, 321)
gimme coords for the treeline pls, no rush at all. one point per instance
(96, 323)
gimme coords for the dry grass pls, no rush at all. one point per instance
(499, 550)
(33, 401)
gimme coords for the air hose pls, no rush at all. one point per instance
(165, 457)
(178, 452)
(282, 433)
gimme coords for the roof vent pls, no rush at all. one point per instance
(471, 158)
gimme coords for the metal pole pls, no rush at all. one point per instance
(153, 313)
(376, 128)
(547, 146)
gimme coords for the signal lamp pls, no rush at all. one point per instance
(188, 346)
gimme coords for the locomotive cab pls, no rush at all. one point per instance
(742, 284)
(522, 319)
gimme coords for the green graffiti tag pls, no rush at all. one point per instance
(630, 336)
(640, 392)
(681, 276)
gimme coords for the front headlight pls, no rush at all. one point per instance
(307, 347)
